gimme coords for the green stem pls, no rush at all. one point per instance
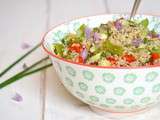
(35, 64)
(13, 79)
(18, 60)
(36, 70)
(27, 69)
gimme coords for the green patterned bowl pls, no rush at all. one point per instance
(112, 89)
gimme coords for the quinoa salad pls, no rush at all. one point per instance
(119, 43)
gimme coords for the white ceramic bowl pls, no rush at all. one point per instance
(111, 89)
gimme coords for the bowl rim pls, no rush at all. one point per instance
(85, 65)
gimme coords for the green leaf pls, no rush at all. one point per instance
(156, 50)
(96, 29)
(93, 49)
(81, 31)
(58, 48)
(113, 49)
(95, 58)
(153, 31)
(146, 40)
(144, 23)
(131, 23)
(142, 50)
(71, 38)
(105, 28)
(104, 62)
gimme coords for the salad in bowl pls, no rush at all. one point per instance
(108, 61)
(121, 43)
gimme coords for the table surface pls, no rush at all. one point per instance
(42, 96)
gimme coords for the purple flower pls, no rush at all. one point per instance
(84, 53)
(24, 66)
(25, 45)
(153, 35)
(17, 97)
(88, 32)
(96, 36)
(150, 35)
(136, 42)
(118, 25)
(158, 36)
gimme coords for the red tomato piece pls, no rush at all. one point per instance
(155, 56)
(94, 63)
(75, 47)
(79, 59)
(129, 58)
(149, 63)
(112, 60)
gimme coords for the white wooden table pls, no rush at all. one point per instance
(44, 97)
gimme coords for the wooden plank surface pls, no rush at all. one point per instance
(60, 104)
(125, 6)
(22, 21)
(44, 97)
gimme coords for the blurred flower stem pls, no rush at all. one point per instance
(19, 59)
(36, 67)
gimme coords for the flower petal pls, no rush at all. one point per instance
(118, 25)
(96, 36)
(24, 66)
(84, 53)
(25, 45)
(136, 42)
(87, 32)
(17, 97)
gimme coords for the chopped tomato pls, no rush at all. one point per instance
(129, 58)
(155, 56)
(112, 60)
(76, 47)
(150, 63)
(94, 63)
(79, 59)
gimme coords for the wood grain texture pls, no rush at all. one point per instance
(21, 21)
(60, 104)
(125, 6)
(44, 97)
(63, 10)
